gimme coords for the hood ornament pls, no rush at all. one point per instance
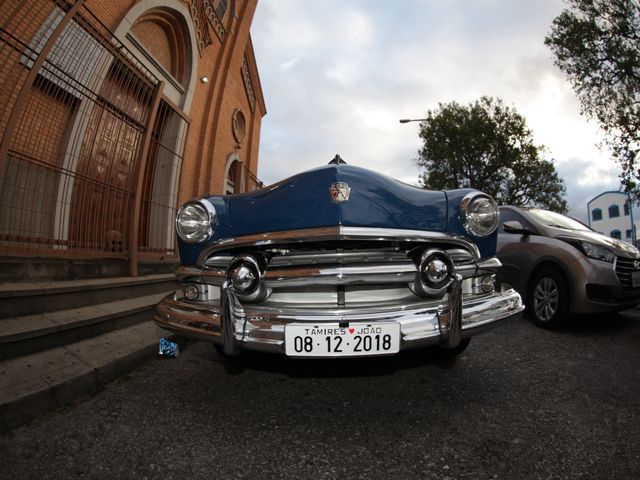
(339, 192)
(337, 160)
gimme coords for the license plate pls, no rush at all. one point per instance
(635, 279)
(333, 340)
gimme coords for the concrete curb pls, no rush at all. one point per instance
(39, 383)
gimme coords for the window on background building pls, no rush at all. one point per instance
(627, 208)
(596, 214)
(628, 233)
(614, 211)
(616, 234)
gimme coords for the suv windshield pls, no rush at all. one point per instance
(552, 219)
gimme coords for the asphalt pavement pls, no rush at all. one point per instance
(520, 403)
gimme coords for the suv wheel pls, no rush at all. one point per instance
(548, 298)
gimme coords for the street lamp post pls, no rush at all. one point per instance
(407, 120)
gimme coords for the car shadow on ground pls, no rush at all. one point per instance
(612, 323)
(336, 367)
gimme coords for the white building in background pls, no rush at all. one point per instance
(613, 214)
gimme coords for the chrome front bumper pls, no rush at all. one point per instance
(235, 326)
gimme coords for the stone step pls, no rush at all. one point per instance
(34, 384)
(28, 334)
(32, 298)
(41, 269)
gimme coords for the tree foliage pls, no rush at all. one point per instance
(488, 146)
(597, 44)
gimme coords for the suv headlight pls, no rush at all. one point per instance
(592, 250)
(479, 214)
(194, 221)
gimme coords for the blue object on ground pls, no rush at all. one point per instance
(168, 348)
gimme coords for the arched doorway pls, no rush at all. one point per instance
(127, 173)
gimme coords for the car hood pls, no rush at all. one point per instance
(620, 248)
(304, 201)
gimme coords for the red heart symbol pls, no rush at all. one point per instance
(351, 330)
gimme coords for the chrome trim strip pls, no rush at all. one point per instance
(221, 261)
(210, 275)
(214, 276)
(183, 273)
(489, 264)
(335, 233)
(376, 273)
(295, 258)
(340, 275)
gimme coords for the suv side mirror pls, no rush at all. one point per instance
(513, 226)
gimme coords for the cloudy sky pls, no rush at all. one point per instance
(337, 76)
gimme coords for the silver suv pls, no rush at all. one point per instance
(561, 266)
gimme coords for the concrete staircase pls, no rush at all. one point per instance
(62, 339)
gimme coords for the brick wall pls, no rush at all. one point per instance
(158, 44)
(210, 140)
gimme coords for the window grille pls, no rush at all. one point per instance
(76, 108)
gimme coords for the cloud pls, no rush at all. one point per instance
(593, 179)
(338, 75)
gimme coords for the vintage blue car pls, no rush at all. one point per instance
(338, 261)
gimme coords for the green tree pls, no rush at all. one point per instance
(487, 146)
(597, 44)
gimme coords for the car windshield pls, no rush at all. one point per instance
(552, 219)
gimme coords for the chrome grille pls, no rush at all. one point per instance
(624, 268)
(355, 276)
(351, 267)
(344, 267)
(295, 258)
(307, 267)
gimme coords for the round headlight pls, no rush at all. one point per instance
(479, 214)
(194, 221)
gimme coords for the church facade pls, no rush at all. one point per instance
(114, 113)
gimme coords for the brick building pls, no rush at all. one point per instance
(112, 113)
